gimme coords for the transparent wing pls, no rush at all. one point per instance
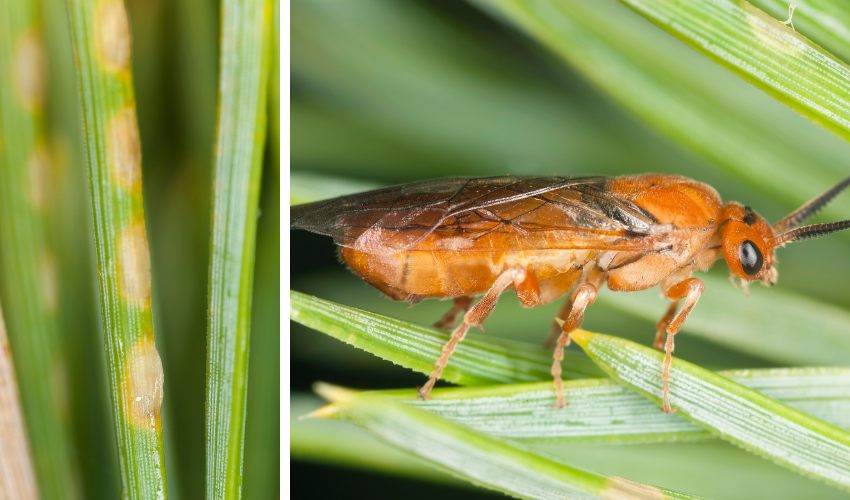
(481, 214)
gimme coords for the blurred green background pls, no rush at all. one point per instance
(175, 59)
(175, 63)
(387, 91)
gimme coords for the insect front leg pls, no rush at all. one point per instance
(584, 295)
(690, 290)
(461, 306)
(474, 317)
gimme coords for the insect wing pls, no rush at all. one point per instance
(480, 214)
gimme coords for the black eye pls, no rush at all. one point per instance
(751, 259)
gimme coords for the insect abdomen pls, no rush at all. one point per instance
(420, 274)
(445, 273)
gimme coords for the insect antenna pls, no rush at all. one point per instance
(797, 217)
(811, 231)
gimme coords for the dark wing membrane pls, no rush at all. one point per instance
(532, 212)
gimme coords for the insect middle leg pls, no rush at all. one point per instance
(560, 318)
(461, 306)
(690, 290)
(584, 295)
(661, 326)
(563, 284)
(474, 317)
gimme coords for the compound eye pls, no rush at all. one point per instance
(751, 259)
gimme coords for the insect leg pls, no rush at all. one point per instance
(661, 326)
(560, 318)
(584, 295)
(473, 317)
(461, 305)
(559, 286)
(689, 290)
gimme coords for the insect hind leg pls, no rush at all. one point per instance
(474, 317)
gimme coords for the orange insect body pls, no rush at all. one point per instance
(445, 264)
(545, 237)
